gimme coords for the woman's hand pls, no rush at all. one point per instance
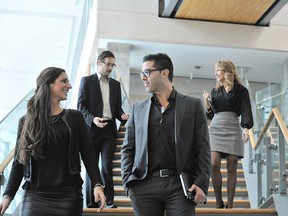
(205, 98)
(99, 196)
(4, 204)
(245, 135)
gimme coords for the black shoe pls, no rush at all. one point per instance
(222, 205)
(111, 206)
(94, 205)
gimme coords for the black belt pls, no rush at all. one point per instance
(164, 173)
(57, 189)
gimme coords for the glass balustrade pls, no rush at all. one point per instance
(8, 135)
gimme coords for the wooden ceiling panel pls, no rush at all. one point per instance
(229, 11)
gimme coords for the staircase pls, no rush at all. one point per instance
(241, 201)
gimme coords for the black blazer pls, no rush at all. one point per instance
(80, 145)
(90, 101)
(191, 142)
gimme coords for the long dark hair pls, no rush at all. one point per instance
(36, 129)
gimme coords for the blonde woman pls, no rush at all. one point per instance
(228, 102)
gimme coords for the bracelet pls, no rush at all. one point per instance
(6, 196)
(209, 110)
(99, 185)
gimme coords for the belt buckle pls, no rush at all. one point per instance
(162, 175)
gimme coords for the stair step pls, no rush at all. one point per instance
(124, 201)
(199, 211)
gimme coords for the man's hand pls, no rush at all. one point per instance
(99, 122)
(200, 196)
(125, 116)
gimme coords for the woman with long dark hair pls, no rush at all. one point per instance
(229, 100)
(49, 144)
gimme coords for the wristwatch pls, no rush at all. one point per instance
(6, 196)
(99, 185)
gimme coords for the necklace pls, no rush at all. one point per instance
(227, 89)
(53, 119)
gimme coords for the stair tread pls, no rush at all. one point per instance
(198, 210)
(210, 201)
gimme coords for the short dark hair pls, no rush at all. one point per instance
(105, 54)
(161, 61)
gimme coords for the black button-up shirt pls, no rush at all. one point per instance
(161, 135)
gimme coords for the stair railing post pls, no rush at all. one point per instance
(269, 181)
(282, 166)
(1, 181)
(259, 177)
(251, 160)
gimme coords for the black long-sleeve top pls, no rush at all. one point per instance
(237, 100)
(79, 145)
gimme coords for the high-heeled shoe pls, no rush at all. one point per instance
(221, 206)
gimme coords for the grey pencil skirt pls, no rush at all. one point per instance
(226, 134)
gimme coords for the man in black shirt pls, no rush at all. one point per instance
(166, 135)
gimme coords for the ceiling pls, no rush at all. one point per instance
(36, 34)
(249, 12)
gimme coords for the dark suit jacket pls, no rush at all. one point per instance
(191, 142)
(90, 101)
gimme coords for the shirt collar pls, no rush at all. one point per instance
(172, 96)
(99, 76)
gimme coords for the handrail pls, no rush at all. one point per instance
(274, 113)
(252, 138)
(125, 92)
(24, 98)
(7, 160)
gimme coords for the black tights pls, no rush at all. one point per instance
(232, 161)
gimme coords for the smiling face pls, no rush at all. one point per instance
(219, 73)
(60, 87)
(155, 81)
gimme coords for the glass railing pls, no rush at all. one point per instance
(80, 42)
(267, 155)
(8, 135)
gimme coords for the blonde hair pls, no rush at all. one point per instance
(231, 75)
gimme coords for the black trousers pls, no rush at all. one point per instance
(105, 145)
(156, 196)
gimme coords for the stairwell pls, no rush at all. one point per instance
(241, 200)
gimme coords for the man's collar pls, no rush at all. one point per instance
(99, 77)
(171, 97)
